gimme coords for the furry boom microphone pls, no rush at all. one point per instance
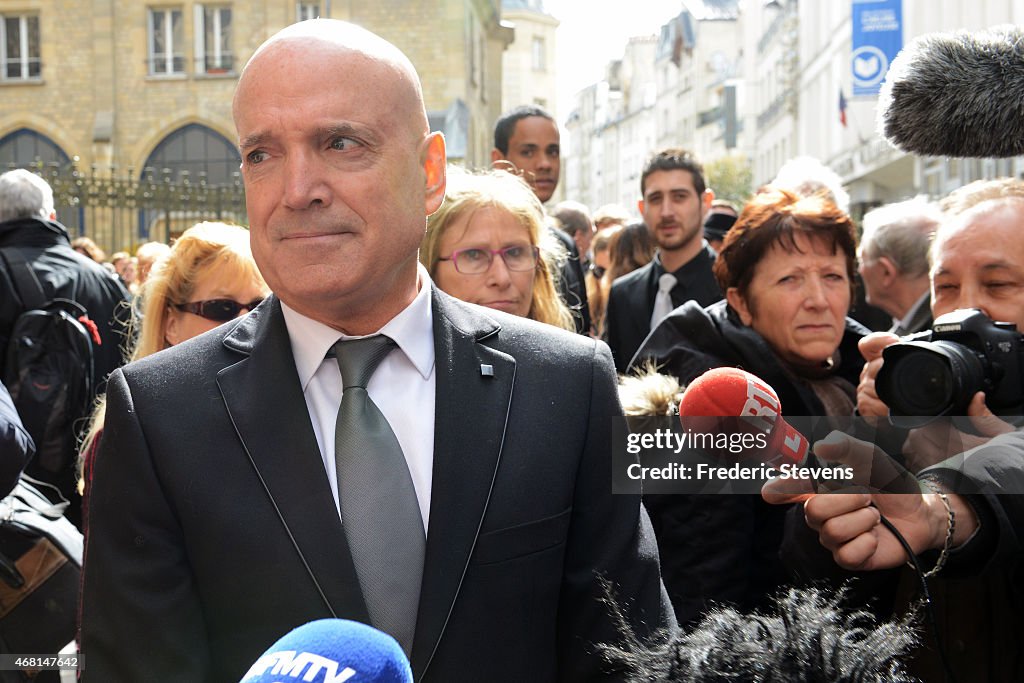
(957, 95)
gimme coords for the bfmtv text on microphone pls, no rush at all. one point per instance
(806, 455)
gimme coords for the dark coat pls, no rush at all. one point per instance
(65, 273)
(979, 596)
(212, 529)
(725, 548)
(16, 447)
(692, 340)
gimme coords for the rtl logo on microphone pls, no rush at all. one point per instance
(762, 407)
(760, 402)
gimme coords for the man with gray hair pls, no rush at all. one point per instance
(25, 194)
(893, 259)
(30, 234)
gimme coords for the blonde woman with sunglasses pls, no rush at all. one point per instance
(208, 278)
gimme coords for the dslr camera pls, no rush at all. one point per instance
(937, 372)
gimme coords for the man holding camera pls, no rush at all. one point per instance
(977, 261)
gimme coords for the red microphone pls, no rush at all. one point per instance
(730, 393)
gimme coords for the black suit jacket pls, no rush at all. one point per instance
(212, 530)
(919, 319)
(631, 302)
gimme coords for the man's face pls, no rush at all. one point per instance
(339, 176)
(979, 263)
(534, 149)
(673, 210)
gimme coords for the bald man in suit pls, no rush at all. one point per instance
(216, 521)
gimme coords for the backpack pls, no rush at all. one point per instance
(49, 372)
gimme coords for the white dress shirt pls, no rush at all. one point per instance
(402, 386)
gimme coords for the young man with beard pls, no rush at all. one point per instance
(674, 201)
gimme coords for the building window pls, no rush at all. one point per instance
(213, 40)
(166, 40)
(537, 53)
(25, 148)
(19, 38)
(306, 10)
(194, 152)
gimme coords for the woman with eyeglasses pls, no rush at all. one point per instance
(487, 245)
(208, 278)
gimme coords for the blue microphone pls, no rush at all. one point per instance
(332, 651)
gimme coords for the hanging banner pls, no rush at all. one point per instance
(877, 38)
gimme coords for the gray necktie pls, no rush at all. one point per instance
(379, 511)
(663, 300)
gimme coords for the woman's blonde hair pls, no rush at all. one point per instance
(467, 192)
(204, 248)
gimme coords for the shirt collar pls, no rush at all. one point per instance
(412, 330)
(688, 269)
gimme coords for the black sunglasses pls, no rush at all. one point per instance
(220, 310)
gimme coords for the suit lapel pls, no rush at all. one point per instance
(266, 405)
(642, 304)
(922, 317)
(278, 436)
(467, 450)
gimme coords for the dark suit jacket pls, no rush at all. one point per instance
(212, 530)
(631, 302)
(919, 319)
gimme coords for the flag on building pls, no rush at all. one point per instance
(842, 108)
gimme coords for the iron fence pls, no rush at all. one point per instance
(120, 208)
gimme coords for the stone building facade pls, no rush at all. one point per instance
(115, 87)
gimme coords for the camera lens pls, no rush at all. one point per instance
(920, 380)
(926, 383)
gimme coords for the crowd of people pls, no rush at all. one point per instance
(445, 320)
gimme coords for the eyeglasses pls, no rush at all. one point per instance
(476, 261)
(220, 310)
